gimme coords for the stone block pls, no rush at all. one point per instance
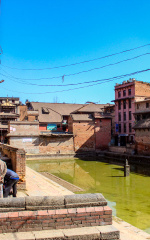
(48, 234)
(81, 200)
(24, 236)
(44, 202)
(6, 236)
(85, 233)
(12, 204)
(108, 232)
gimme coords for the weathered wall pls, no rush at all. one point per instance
(102, 133)
(23, 112)
(31, 118)
(142, 89)
(142, 138)
(41, 213)
(23, 127)
(56, 144)
(29, 144)
(84, 137)
(24, 135)
(18, 161)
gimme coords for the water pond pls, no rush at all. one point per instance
(129, 197)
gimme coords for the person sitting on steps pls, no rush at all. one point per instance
(10, 181)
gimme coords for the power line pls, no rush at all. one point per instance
(91, 85)
(73, 74)
(77, 63)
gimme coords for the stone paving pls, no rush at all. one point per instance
(39, 185)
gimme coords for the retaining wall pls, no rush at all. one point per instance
(18, 159)
(41, 213)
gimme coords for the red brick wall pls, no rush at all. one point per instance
(102, 133)
(84, 137)
(142, 138)
(55, 219)
(18, 161)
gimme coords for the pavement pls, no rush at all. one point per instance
(39, 185)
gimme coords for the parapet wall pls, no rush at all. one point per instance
(45, 213)
(18, 159)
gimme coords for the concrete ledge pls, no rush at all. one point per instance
(12, 204)
(80, 200)
(46, 202)
(84, 233)
(52, 202)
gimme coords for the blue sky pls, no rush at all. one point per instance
(46, 34)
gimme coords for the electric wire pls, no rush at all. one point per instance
(73, 74)
(77, 63)
(91, 85)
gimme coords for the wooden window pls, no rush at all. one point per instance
(119, 116)
(119, 94)
(119, 105)
(147, 105)
(129, 103)
(130, 116)
(124, 127)
(129, 92)
(124, 104)
(124, 116)
(124, 93)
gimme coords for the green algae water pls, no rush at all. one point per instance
(129, 197)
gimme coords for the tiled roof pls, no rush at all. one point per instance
(55, 111)
(92, 107)
(82, 117)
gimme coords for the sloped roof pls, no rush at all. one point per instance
(61, 108)
(55, 111)
(92, 107)
(143, 124)
(82, 117)
(51, 117)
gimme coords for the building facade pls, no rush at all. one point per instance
(142, 126)
(126, 94)
(8, 112)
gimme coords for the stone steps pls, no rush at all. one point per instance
(85, 233)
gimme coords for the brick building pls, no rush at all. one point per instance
(58, 124)
(142, 126)
(125, 96)
(8, 112)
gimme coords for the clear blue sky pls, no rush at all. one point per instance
(49, 33)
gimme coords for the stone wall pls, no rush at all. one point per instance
(142, 139)
(56, 144)
(24, 135)
(18, 162)
(45, 213)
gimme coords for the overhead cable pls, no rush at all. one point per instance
(77, 63)
(91, 85)
(77, 73)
